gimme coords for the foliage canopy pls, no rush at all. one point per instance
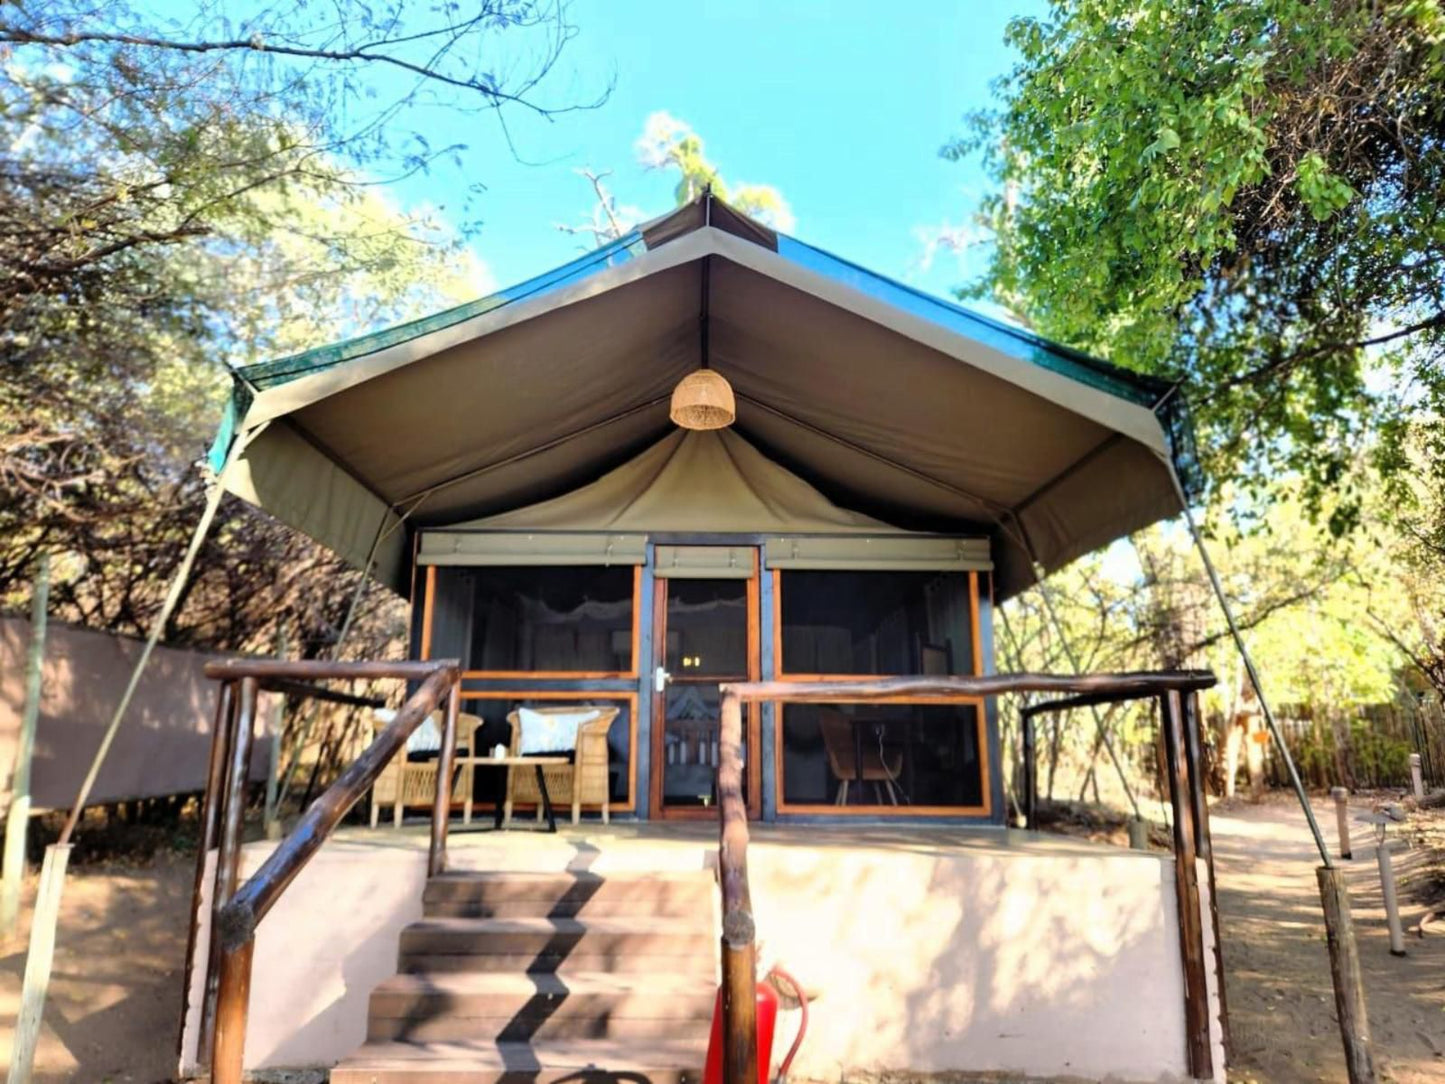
(1250, 195)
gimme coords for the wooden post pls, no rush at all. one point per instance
(1031, 771)
(233, 1003)
(1186, 882)
(211, 802)
(17, 822)
(1387, 889)
(1348, 981)
(38, 962)
(1417, 777)
(228, 841)
(1204, 845)
(1342, 819)
(739, 949)
(442, 808)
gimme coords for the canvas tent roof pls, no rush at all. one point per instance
(712, 482)
(897, 405)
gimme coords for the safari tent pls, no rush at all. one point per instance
(897, 466)
(866, 473)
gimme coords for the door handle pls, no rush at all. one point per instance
(661, 679)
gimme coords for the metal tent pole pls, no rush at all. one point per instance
(1345, 972)
(1254, 681)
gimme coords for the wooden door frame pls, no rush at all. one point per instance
(656, 809)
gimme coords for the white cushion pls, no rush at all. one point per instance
(550, 732)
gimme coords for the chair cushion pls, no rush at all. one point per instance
(550, 733)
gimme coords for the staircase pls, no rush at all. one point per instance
(544, 978)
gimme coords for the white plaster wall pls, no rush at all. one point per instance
(1038, 964)
(330, 939)
(1023, 956)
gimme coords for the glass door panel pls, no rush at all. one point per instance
(708, 638)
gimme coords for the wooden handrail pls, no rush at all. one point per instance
(234, 929)
(260, 892)
(871, 690)
(323, 669)
(739, 949)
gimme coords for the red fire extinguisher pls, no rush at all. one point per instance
(767, 1018)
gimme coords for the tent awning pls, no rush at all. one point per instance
(903, 408)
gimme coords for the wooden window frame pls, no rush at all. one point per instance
(428, 612)
(784, 808)
(599, 695)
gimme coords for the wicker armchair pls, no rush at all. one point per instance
(405, 782)
(583, 782)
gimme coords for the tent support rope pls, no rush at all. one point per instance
(288, 776)
(158, 625)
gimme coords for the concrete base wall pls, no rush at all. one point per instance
(931, 951)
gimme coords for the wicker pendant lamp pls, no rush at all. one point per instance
(703, 399)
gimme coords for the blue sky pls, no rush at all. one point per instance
(840, 105)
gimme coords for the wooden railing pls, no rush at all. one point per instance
(1177, 693)
(235, 912)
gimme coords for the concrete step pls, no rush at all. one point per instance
(520, 1007)
(560, 895)
(483, 1061)
(548, 941)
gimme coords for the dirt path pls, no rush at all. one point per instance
(1281, 1003)
(116, 988)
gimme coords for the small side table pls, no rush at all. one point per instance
(509, 762)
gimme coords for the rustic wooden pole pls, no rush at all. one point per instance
(1186, 882)
(739, 949)
(1348, 981)
(38, 963)
(228, 842)
(1417, 777)
(1204, 846)
(211, 802)
(17, 823)
(1342, 820)
(233, 1003)
(1387, 889)
(442, 808)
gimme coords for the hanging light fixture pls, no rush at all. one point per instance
(703, 399)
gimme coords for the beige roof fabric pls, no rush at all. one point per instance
(867, 404)
(707, 482)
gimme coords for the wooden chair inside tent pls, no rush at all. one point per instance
(583, 782)
(852, 761)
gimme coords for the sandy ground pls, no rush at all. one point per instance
(115, 992)
(1281, 1003)
(115, 996)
